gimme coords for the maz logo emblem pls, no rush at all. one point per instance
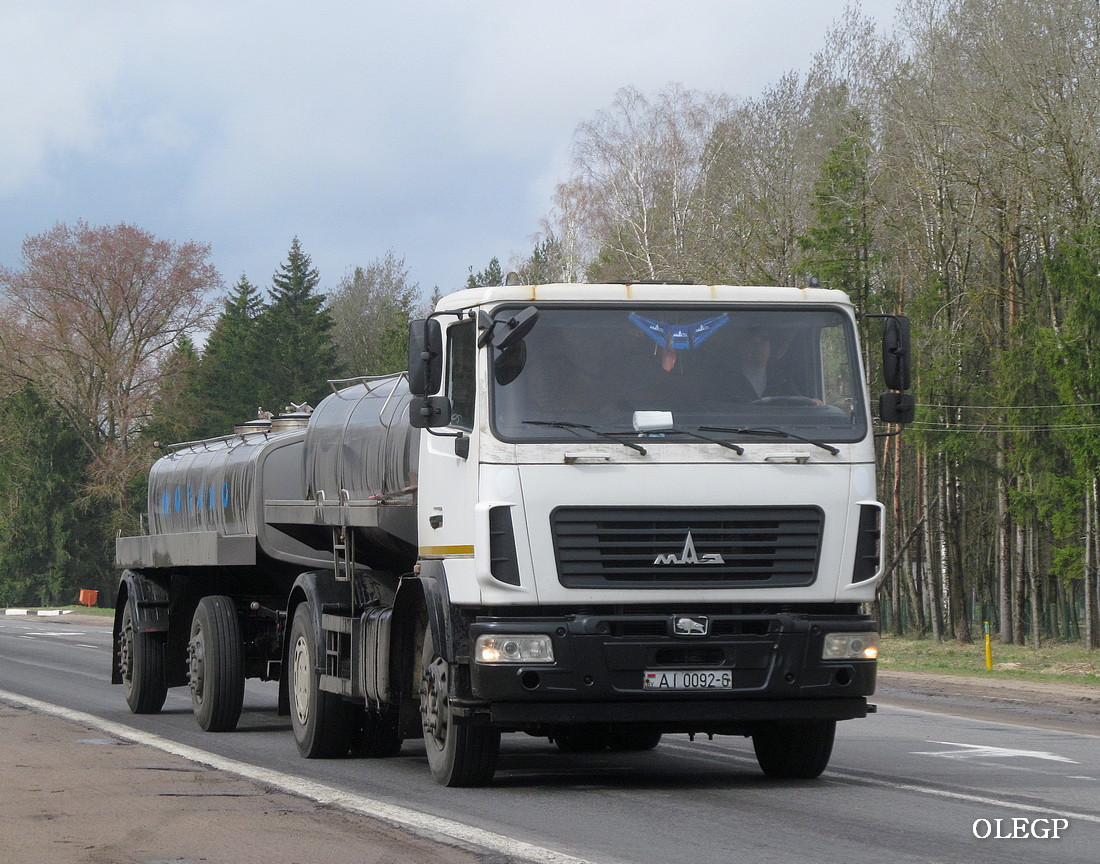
(690, 556)
(690, 625)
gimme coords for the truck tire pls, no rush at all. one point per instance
(459, 752)
(794, 751)
(141, 664)
(323, 723)
(215, 664)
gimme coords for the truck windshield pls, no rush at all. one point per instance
(733, 370)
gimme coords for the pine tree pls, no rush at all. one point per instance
(182, 411)
(52, 535)
(491, 275)
(234, 364)
(837, 247)
(296, 332)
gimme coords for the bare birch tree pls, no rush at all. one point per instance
(88, 320)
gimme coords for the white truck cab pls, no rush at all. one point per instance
(652, 508)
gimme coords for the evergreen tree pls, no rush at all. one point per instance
(182, 411)
(838, 245)
(296, 332)
(233, 365)
(491, 275)
(53, 537)
(430, 304)
(546, 264)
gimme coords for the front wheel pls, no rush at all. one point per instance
(323, 723)
(215, 664)
(141, 665)
(794, 751)
(459, 752)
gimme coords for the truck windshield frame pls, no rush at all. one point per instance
(595, 365)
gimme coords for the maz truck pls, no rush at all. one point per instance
(593, 513)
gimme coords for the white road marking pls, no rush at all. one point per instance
(860, 779)
(424, 824)
(982, 751)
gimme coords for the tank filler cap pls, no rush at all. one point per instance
(293, 417)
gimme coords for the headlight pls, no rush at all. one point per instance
(514, 649)
(850, 646)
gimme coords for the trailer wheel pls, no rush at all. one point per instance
(215, 664)
(141, 663)
(322, 722)
(794, 751)
(459, 752)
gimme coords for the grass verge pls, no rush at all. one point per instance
(1056, 661)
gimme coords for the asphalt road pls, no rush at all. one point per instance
(905, 785)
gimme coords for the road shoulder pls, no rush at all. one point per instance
(1048, 705)
(72, 794)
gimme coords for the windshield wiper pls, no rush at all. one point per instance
(676, 430)
(565, 424)
(769, 430)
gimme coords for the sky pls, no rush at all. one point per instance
(433, 129)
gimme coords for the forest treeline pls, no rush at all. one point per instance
(947, 169)
(99, 367)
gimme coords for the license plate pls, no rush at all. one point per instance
(688, 679)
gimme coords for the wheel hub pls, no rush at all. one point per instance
(196, 665)
(433, 700)
(301, 668)
(126, 654)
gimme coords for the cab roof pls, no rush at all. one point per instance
(640, 292)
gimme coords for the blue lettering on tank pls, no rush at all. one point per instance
(179, 499)
(190, 500)
(212, 499)
(225, 494)
(198, 499)
(164, 502)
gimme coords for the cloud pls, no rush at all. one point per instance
(51, 80)
(436, 128)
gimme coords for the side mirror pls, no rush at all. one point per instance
(429, 412)
(896, 365)
(509, 363)
(515, 328)
(425, 356)
(505, 333)
(898, 408)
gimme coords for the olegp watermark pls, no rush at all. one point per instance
(1020, 828)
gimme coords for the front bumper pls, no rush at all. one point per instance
(774, 661)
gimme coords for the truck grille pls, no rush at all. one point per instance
(695, 547)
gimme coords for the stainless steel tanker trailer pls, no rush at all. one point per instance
(569, 518)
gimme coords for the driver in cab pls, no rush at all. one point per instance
(758, 372)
